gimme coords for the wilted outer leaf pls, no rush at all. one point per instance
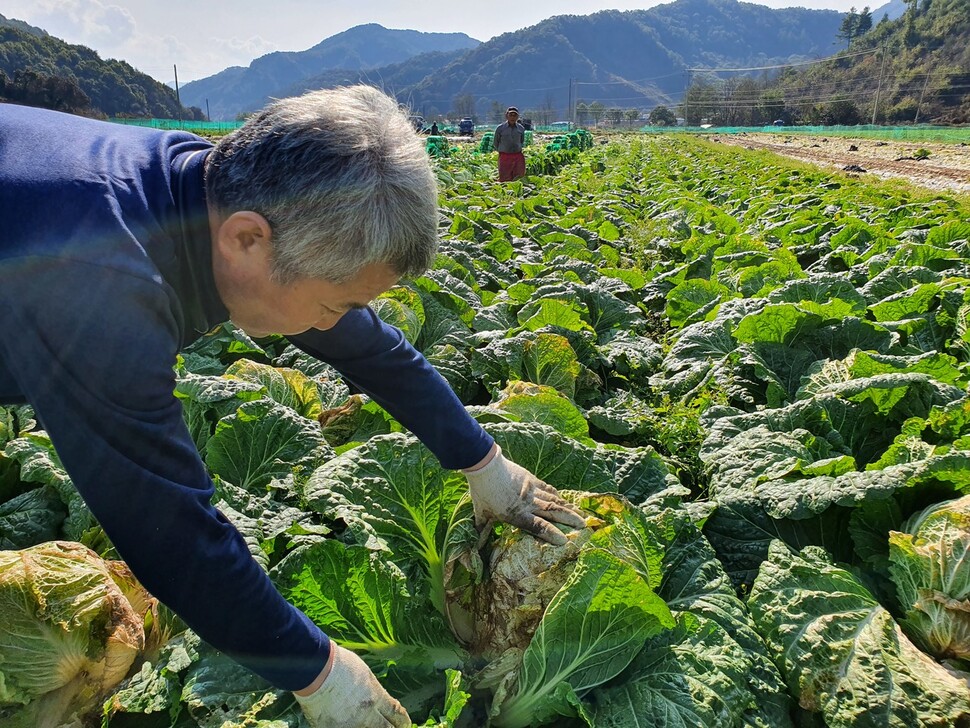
(930, 563)
(547, 406)
(67, 627)
(841, 652)
(290, 387)
(590, 632)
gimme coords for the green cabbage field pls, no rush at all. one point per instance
(752, 375)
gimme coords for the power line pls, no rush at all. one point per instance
(784, 65)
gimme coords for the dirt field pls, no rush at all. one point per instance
(946, 168)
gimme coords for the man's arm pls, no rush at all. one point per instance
(92, 350)
(381, 363)
(379, 360)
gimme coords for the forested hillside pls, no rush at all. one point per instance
(915, 69)
(38, 69)
(633, 59)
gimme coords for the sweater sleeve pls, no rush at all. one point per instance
(380, 362)
(92, 350)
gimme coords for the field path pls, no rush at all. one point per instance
(947, 167)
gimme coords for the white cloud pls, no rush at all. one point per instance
(87, 22)
(249, 48)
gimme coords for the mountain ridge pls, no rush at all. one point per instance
(636, 58)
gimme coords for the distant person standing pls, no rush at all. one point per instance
(434, 128)
(508, 140)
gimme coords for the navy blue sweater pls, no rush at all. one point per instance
(105, 274)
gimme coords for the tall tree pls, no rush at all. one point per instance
(662, 116)
(464, 105)
(847, 31)
(864, 24)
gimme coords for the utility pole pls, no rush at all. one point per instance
(882, 67)
(208, 116)
(178, 100)
(920, 103)
(571, 109)
(569, 101)
(686, 97)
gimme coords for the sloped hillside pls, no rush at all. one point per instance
(913, 69)
(40, 70)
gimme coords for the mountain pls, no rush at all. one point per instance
(632, 59)
(892, 10)
(21, 25)
(914, 68)
(38, 69)
(363, 47)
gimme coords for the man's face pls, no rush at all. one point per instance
(242, 267)
(261, 306)
(512, 116)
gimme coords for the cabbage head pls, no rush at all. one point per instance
(556, 622)
(69, 632)
(930, 563)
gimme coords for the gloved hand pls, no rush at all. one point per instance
(504, 491)
(351, 697)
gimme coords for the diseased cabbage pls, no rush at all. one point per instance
(69, 632)
(930, 563)
(554, 622)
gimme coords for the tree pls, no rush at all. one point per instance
(632, 116)
(582, 113)
(847, 31)
(547, 111)
(464, 105)
(662, 116)
(771, 106)
(842, 112)
(614, 114)
(700, 101)
(596, 111)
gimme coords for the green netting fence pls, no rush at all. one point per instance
(919, 133)
(196, 127)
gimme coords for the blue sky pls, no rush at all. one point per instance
(203, 38)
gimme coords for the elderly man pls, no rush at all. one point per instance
(122, 245)
(507, 140)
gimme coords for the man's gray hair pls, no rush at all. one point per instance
(342, 179)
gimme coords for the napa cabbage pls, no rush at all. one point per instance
(72, 627)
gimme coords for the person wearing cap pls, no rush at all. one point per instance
(508, 140)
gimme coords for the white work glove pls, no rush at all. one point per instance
(351, 697)
(504, 491)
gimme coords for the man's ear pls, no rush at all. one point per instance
(244, 234)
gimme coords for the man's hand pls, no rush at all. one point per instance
(504, 491)
(351, 697)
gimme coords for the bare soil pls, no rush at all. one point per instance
(947, 168)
